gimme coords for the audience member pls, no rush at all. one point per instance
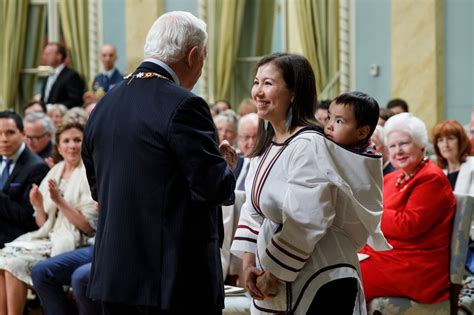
(159, 177)
(68, 269)
(39, 132)
(452, 147)
(246, 107)
(321, 111)
(64, 212)
(378, 138)
(471, 131)
(19, 169)
(352, 118)
(222, 105)
(384, 115)
(89, 107)
(34, 107)
(111, 76)
(56, 113)
(417, 219)
(397, 106)
(226, 125)
(63, 85)
(247, 136)
(298, 206)
(75, 114)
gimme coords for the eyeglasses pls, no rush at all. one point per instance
(36, 138)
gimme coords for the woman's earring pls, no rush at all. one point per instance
(289, 118)
(265, 124)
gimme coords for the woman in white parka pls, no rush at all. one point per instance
(307, 202)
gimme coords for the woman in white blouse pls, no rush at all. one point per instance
(307, 202)
(65, 213)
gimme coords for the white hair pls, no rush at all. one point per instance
(227, 116)
(251, 119)
(406, 122)
(173, 34)
(380, 133)
(44, 119)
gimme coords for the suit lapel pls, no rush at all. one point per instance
(19, 166)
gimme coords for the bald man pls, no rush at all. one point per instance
(106, 80)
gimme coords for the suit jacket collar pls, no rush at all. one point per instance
(151, 66)
(19, 166)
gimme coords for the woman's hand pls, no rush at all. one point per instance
(55, 192)
(251, 274)
(267, 284)
(36, 198)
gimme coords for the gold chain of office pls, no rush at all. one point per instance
(144, 75)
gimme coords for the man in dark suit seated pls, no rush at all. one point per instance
(19, 170)
(39, 134)
(63, 85)
(155, 167)
(103, 82)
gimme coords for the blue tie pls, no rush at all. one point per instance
(5, 173)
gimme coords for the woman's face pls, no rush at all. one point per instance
(56, 117)
(271, 93)
(69, 145)
(404, 153)
(448, 147)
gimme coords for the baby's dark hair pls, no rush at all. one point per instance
(365, 108)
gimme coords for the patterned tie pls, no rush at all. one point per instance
(5, 173)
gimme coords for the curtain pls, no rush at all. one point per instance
(224, 20)
(315, 35)
(13, 18)
(33, 48)
(74, 23)
(255, 41)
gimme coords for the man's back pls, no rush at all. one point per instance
(150, 151)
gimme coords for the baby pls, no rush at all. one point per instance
(353, 117)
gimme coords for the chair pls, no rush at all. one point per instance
(459, 247)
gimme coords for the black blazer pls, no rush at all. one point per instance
(16, 212)
(153, 162)
(67, 89)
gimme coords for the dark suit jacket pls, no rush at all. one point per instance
(388, 169)
(16, 212)
(153, 162)
(67, 89)
(102, 81)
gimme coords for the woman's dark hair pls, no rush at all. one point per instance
(447, 128)
(299, 78)
(65, 125)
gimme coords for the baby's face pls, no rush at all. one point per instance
(342, 125)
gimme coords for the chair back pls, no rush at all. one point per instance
(460, 236)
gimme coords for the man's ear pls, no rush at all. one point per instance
(363, 132)
(192, 56)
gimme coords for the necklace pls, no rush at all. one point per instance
(403, 178)
(144, 75)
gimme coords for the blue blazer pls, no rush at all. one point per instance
(16, 212)
(153, 164)
(102, 81)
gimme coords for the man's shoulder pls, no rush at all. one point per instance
(31, 159)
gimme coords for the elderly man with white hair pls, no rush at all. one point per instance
(379, 141)
(159, 176)
(39, 133)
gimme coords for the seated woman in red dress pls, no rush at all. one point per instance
(417, 221)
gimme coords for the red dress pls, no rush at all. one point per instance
(417, 222)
